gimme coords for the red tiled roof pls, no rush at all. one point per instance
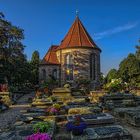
(50, 57)
(77, 36)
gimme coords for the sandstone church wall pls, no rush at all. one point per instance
(81, 63)
(49, 69)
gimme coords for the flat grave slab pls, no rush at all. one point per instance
(133, 118)
(90, 119)
(114, 132)
(78, 104)
(42, 103)
(79, 110)
(61, 92)
(120, 112)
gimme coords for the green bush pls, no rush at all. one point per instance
(42, 127)
(115, 85)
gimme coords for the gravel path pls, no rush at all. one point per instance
(8, 117)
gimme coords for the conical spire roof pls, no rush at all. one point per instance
(77, 36)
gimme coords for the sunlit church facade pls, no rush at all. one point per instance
(76, 57)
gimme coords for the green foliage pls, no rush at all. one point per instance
(102, 78)
(53, 98)
(115, 85)
(35, 67)
(44, 84)
(42, 127)
(56, 106)
(13, 89)
(138, 51)
(129, 69)
(83, 81)
(12, 58)
(112, 74)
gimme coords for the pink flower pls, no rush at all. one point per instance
(39, 136)
(53, 110)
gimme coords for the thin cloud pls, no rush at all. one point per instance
(115, 30)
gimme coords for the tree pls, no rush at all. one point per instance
(112, 74)
(129, 69)
(12, 58)
(138, 51)
(35, 67)
(115, 85)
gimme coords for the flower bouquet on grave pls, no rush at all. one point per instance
(38, 136)
(77, 127)
(40, 131)
(53, 110)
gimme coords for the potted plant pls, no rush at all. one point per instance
(77, 126)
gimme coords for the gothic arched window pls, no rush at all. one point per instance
(92, 66)
(54, 73)
(69, 60)
(44, 74)
(69, 67)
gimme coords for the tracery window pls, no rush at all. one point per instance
(92, 66)
(69, 67)
(54, 73)
(43, 74)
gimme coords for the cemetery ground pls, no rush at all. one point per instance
(115, 117)
(8, 117)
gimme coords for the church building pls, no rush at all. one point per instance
(76, 57)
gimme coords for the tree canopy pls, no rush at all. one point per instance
(12, 56)
(129, 69)
(112, 74)
(35, 67)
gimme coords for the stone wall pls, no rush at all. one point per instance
(49, 71)
(81, 63)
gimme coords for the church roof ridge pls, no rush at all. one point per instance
(77, 36)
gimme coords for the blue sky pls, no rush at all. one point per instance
(113, 24)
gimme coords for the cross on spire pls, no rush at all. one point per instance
(77, 13)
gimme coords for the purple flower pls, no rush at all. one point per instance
(39, 136)
(53, 110)
(70, 126)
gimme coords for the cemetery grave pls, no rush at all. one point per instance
(99, 125)
(113, 132)
(92, 119)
